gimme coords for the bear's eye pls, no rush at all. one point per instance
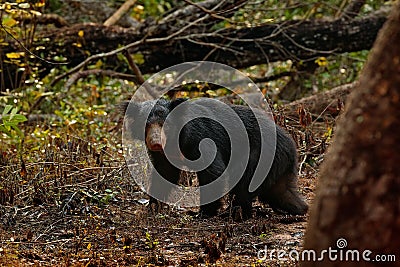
(159, 113)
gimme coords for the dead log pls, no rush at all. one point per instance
(328, 102)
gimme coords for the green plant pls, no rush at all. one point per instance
(150, 241)
(10, 120)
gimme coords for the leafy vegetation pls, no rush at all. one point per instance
(10, 121)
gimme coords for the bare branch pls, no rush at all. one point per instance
(194, 38)
(83, 74)
(138, 74)
(27, 50)
(205, 10)
(352, 9)
(121, 49)
(119, 13)
(271, 78)
(209, 6)
(45, 19)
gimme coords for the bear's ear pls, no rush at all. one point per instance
(123, 106)
(129, 108)
(174, 103)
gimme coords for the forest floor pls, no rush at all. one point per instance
(75, 205)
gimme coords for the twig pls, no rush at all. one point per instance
(114, 52)
(45, 19)
(123, 48)
(28, 51)
(302, 162)
(352, 10)
(139, 74)
(272, 77)
(205, 10)
(82, 74)
(189, 10)
(217, 46)
(134, 67)
(119, 13)
(47, 229)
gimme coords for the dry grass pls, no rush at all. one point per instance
(72, 202)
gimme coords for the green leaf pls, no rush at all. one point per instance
(7, 109)
(4, 130)
(13, 120)
(13, 112)
(19, 118)
(19, 132)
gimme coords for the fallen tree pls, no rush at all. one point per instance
(189, 34)
(162, 46)
(328, 102)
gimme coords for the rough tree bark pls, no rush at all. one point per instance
(358, 197)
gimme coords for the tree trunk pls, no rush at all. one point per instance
(357, 206)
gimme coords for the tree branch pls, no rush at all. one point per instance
(119, 13)
(352, 9)
(139, 75)
(172, 42)
(83, 74)
(45, 19)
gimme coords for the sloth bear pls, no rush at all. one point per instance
(230, 141)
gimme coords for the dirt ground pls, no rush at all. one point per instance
(81, 232)
(76, 205)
